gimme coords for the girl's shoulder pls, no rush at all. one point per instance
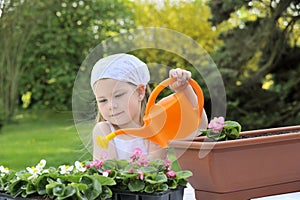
(102, 128)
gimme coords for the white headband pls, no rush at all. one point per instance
(122, 67)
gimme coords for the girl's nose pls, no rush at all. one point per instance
(113, 105)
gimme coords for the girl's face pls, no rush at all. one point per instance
(119, 102)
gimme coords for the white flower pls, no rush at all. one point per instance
(41, 164)
(3, 170)
(65, 169)
(80, 166)
(105, 174)
(34, 171)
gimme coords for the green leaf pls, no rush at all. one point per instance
(182, 182)
(94, 187)
(184, 174)
(150, 169)
(30, 189)
(216, 136)
(163, 187)
(109, 164)
(234, 134)
(172, 183)
(106, 193)
(71, 178)
(205, 132)
(159, 178)
(79, 193)
(136, 185)
(121, 163)
(50, 187)
(232, 129)
(104, 180)
(41, 183)
(126, 175)
(5, 180)
(157, 163)
(149, 189)
(68, 191)
(17, 187)
(87, 179)
(113, 174)
(114, 164)
(127, 167)
(232, 124)
(58, 190)
(80, 186)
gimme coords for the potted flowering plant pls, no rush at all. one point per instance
(230, 165)
(64, 182)
(140, 178)
(98, 179)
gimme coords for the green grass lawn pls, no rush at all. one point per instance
(40, 135)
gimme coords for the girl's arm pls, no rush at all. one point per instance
(182, 85)
(102, 129)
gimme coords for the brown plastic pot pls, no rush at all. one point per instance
(243, 168)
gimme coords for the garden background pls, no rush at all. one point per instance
(254, 43)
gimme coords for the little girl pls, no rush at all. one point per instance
(120, 85)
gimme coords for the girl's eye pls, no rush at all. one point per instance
(102, 100)
(119, 95)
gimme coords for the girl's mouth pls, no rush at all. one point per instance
(116, 114)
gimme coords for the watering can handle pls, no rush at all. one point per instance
(169, 81)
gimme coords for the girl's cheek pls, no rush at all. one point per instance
(126, 101)
(134, 105)
(102, 110)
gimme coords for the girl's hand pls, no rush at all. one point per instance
(182, 79)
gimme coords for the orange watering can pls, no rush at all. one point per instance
(171, 118)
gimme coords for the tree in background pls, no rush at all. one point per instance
(43, 43)
(60, 43)
(260, 56)
(187, 17)
(16, 28)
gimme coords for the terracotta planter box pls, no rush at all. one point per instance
(243, 168)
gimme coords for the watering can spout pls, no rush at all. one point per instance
(171, 118)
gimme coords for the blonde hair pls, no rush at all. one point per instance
(143, 106)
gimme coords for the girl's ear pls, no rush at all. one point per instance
(141, 89)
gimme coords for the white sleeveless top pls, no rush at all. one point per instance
(124, 148)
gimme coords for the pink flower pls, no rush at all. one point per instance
(95, 163)
(98, 163)
(140, 172)
(168, 164)
(171, 174)
(138, 158)
(88, 166)
(137, 153)
(143, 161)
(216, 124)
